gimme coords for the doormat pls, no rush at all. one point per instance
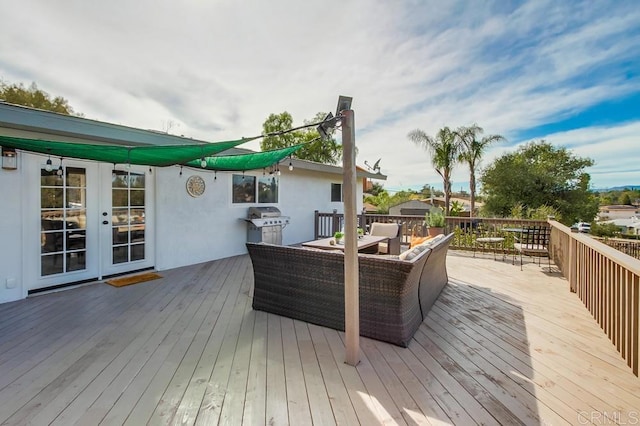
(133, 279)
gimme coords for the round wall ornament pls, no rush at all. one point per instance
(195, 186)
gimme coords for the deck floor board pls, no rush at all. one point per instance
(500, 346)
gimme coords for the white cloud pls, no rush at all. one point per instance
(218, 69)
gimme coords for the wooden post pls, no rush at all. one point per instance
(316, 224)
(351, 283)
(335, 222)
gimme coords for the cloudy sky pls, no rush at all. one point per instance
(563, 71)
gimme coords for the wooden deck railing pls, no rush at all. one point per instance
(608, 283)
(465, 229)
(605, 279)
(630, 247)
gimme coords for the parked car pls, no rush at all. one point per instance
(581, 227)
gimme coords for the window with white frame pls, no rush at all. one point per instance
(249, 189)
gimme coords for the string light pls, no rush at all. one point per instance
(215, 175)
(60, 170)
(180, 170)
(203, 163)
(290, 164)
(49, 166)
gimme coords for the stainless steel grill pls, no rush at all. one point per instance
(265, 224)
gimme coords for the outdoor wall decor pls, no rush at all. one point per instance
(195, 186)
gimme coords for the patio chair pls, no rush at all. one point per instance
(533, 241)
(391, 230)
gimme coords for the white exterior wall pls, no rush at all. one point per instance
(11, 239)
(187, 230)
(193, 230)
(613, 214)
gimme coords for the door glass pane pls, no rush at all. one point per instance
(51, 198)
(120, 234)
(76, 177)
(75, 198)
(137, 216)
(137, 252)
(51, 242)
(63, 221)
(120, 197)
(120, 217)
(137, 197)
(76, 261)
(52, 264)
(50, 178)
(137, 180)
(76, 219)
(128, 216)
(119, 179)
(76, 240)
(120, 254)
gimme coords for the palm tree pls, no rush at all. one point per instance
(444, 149)
(471, 152)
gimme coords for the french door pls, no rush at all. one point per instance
(126, 219)
(93, 221)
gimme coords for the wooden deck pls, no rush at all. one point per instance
(500, 346)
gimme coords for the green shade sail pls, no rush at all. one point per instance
(159, 156)
(252, 161)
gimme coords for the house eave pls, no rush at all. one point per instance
(35, 120)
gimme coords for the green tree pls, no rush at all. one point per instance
(444, 149)
(537, 175)
(318, 150)
(376, 188)
(33, 97)
(383, 200)
(471, 151)
(605, 230)
(456, 208)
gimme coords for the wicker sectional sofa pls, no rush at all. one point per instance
(306, 284)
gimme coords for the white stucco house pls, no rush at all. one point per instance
(628, 226)
(100, 219)
(618, 211)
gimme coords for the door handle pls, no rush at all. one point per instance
(105, 222)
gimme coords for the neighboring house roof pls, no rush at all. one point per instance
(622, 207)
(370, 208)
(633, 222)
(465, 202)
(413, 203)
(327, 168)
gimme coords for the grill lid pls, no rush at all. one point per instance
(261, 212)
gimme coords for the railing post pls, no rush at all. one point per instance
(316, 224)
(573, 267)
(335, 222)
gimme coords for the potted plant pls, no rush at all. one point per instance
(360, 232)
(339, 237)
(435, 222)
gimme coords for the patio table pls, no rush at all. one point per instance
(363, 242)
